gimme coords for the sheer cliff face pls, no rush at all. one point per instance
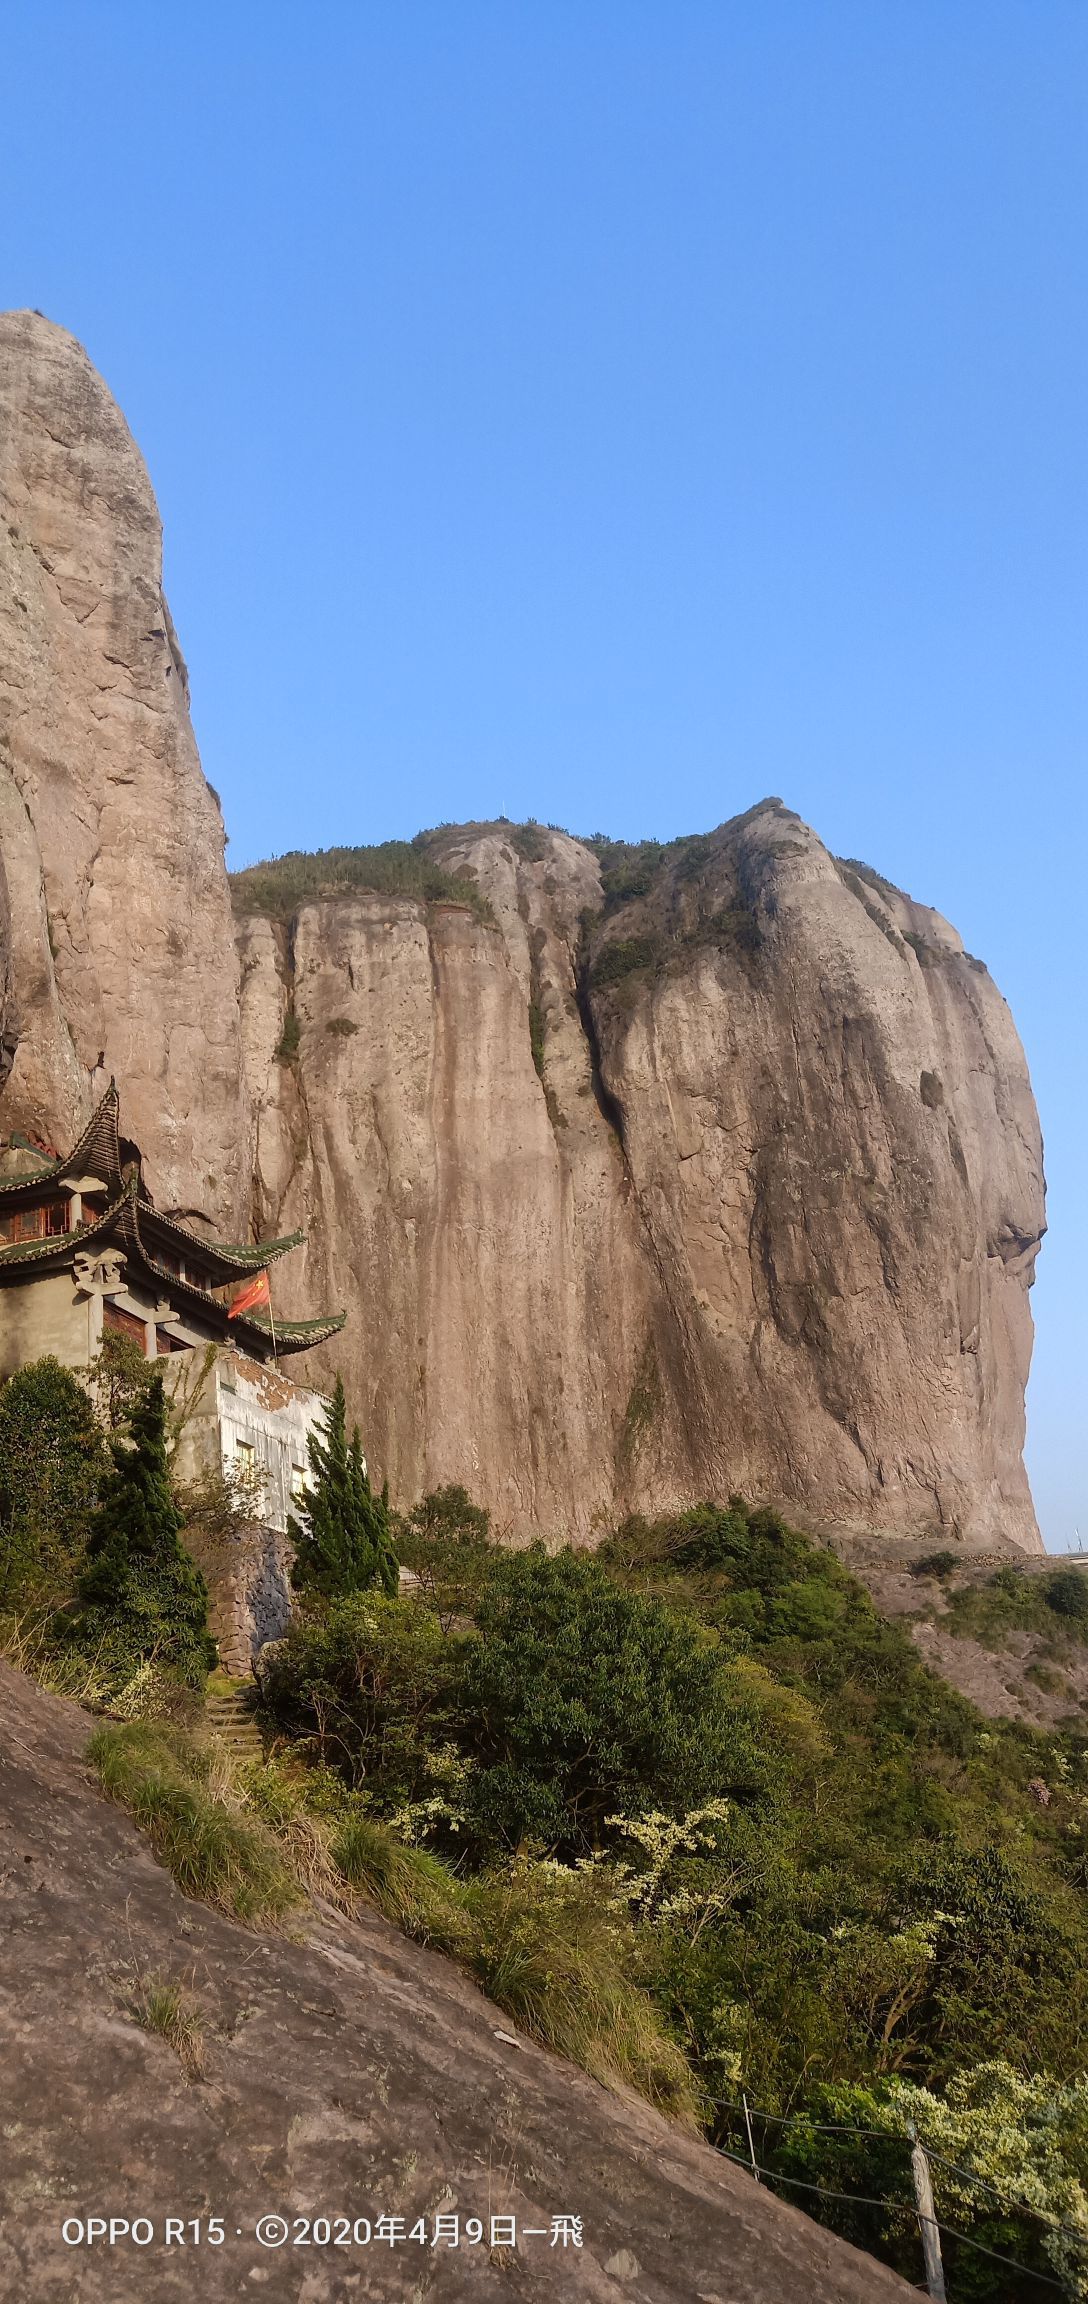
(112, 842)
(724, 1176)
(765, 1218)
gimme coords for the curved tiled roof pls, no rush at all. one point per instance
(61, 1244)
(132, 1218)
(294, 1335)
(233, 1257)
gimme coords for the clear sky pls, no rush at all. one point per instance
(613, 412)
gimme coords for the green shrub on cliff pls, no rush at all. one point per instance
(580, 1702)
(391, 868)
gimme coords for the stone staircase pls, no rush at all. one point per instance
(229, 1716)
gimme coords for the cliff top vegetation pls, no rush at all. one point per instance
(389, 868)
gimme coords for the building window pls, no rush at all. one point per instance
(243, 1450)
(298, 1480)
(125, 1324)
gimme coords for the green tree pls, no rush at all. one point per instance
(119, 1376)
(1067, 1593)
(368, 1681)
(51, 1463)
(448, 1515)
(143, 1598)
(342, 1538)
(446, 1539)
(584, 1702)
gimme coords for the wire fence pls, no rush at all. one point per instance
(890, 2206)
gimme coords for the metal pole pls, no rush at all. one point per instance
(927, 2220)
(748, 2125)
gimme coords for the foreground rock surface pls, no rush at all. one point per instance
(729, 1179)
(351, 2073)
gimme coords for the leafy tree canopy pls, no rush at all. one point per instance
(585, 1701)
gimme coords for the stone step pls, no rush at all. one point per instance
(241, 1747)
(230, 1720)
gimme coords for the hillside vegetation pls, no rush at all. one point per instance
(689, 1808)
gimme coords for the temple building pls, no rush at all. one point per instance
(84, 1251)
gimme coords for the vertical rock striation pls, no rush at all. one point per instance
(733, 1181)
(659, 1174)
(112, 841)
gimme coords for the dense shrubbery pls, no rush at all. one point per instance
(1053, 1606)
(837, 1880)
(581, 1703)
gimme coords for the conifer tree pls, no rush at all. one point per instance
(143, 1597)
(341, 1538)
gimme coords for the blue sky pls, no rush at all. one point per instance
(613, 413)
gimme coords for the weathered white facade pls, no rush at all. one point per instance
(248, 1418)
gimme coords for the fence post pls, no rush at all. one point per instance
(748, 2125)
(927, 2221)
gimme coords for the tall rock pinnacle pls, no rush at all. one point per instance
(112, 841)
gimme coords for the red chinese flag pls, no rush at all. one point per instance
(256, 1292)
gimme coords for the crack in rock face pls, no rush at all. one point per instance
(650, 1175)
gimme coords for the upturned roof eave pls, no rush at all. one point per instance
(232, 1256)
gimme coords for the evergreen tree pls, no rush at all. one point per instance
(342, 1537)
(143, 1597)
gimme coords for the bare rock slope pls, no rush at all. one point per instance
(347, 2073)
(639, 1180)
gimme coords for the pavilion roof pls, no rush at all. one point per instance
(101, 1151)
(133, 1220)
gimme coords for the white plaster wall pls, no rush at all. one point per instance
(260, 1410)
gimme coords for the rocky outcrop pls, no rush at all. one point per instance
(112, 841)
(346, 2074)
(648, 1175)
(761, 1214)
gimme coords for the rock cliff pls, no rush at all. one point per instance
(119, 923)
(644, 1174)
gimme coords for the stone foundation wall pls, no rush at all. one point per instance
(251, 1598)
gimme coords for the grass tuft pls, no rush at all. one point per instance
(553, 1952)
(411, 1887)
(29, 1645)
(185, 1800)
(162, 2006)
